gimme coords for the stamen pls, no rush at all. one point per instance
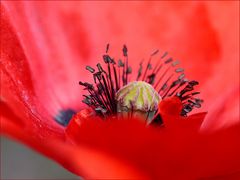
(151, 78)
(155, 52)
(162, 77)
(165, 84)
(139, 71)
(168, 60)
(164, 55)
(125, 54)
(90, 69)
(107, 83)
(175, 63)
(147, 68)
(107, 48)
(116, 78)
(178, 70)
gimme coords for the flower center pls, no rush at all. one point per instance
(111, 93)
(139, 99)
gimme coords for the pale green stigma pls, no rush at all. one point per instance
(138, 96)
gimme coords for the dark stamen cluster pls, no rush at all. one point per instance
(169, 80)
(165, 76)
(102, 96)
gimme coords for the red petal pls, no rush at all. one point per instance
(178, 150)
(225, 74)
(170, 109)
(17, 85)
(162, 153)
(224, 111)
(170, 106)
(41, 49)
(217, 154)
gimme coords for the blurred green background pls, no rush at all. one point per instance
(20, 162)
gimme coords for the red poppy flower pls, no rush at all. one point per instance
(46, 45)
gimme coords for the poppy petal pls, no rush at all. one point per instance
(224, 112)
(38, 50)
